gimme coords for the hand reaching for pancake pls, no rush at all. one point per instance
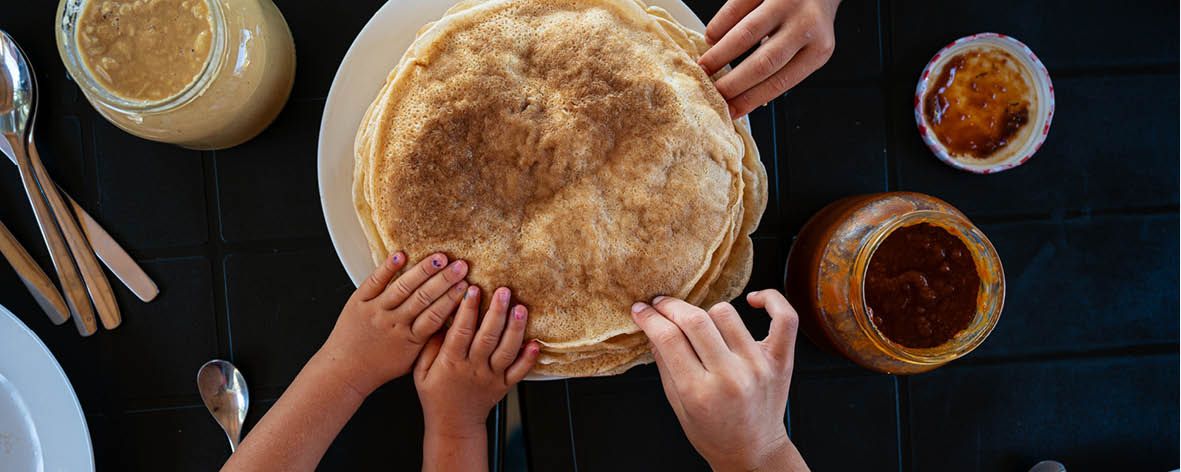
(464, 372)
(728, 391)
(385, 324)
(793, 39)
(379, 333)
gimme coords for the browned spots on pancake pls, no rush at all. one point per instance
(564, 152)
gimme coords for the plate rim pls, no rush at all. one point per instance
(74, 409)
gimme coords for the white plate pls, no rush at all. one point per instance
(42, 427)
(362, 73)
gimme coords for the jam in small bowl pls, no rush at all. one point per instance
(984, 103)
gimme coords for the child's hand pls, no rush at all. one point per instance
(728, 391)
(461, 376)
(384, 325)
(794, 38)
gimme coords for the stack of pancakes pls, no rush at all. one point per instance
(572, 151)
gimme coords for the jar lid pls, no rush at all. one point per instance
(1027, 144)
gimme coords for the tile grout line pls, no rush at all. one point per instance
(215, 254)
(570, 426)
(893, 177)
(902, 422)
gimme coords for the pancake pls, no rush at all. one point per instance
(584, 175)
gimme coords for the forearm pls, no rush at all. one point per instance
(298, 429)
(785, 458)
(779, 456)
(447, 449)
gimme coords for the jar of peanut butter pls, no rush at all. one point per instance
(202, 74)
(897, 282)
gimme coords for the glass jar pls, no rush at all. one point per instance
(827, 266)
(240, 89)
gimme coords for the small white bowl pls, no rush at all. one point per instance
(1015, 153)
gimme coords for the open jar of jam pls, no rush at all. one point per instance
(897, 282)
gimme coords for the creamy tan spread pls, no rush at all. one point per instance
(145, 49)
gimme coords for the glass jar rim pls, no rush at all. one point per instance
(67, 19)
(984, 256)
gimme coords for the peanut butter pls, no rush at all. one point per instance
(145, 50)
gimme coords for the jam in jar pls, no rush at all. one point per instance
(897, 282)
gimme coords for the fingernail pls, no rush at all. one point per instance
(396, 258)
(437, 261)
(471, 291)
(461, 287)
(519, 312)
(638, 307)
(458, 267)
(658, 299)
(502, 294)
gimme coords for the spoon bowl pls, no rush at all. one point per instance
(17, 93)
(223, 389)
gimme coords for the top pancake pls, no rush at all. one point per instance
(572, 151)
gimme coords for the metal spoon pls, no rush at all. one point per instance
(18, 98)
(225, 395)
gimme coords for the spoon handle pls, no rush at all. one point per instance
(59, 253)
(96, 280)
(110, 253)
(34, 278)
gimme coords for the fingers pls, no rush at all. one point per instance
(427, 358)
(380, 278)
(781, 338)
(491, 327)
(748, 32)
(459, 335)
(729, 323)
(698, 327)
(805, 62)
(426, 294)
(727, 17)
(524, 363)
(668, 341)
(768, 59)
(405, 285)
(669, 384)
(510, 343)
(433, 318)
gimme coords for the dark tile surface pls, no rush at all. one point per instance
(836, 146)
(180, 439)
(267, 187)
(164, 210)
(1082, 368)
(322, 36)
(1065, 34)
(1086, 284)
(179, 329)
(386, 432)
(1104, 414)
(857, 56)
(281, 308)
(597, 406)
(846, 423)
(1111, 146)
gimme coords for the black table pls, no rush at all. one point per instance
(1083, 366)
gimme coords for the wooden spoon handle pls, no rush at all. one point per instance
(34, 278)
(96, 280)
(63, 262)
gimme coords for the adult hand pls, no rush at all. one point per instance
(794, 38)
(728, 391)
